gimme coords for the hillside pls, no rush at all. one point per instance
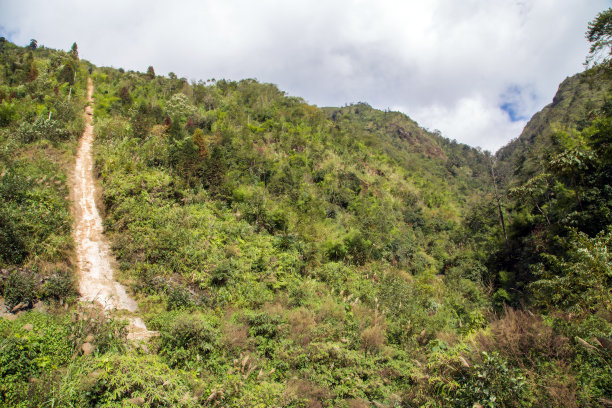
(556, 178)
(575, 104)
(290, 255)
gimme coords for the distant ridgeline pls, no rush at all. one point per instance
(298, 256)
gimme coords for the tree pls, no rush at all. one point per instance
(599, 34)
(499, 207)
(580, 281)
(30, 66)
(74, 51)
(573, 164)
(536, 190)
(124, 95)
(33, 44)
(68, 72)
(151, 72)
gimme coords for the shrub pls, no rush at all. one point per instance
(301, 325)
(357, 248)
(235, 336)
(27, 355)
(297, 294)
(187, 340)
(12, 247)
(109, 334)
(490, 383)
(20, 287)
(525, 339)
(262, 324)
(372, 338)
(179, 299)
(305, 393)
(221, 274)
(580, 283)
(60, 286)
(17, 364)
(335, 250)
(8, 113)
(42, 129)
(128, 380)
(501, 298)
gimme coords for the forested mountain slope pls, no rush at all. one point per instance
(288, 255)
(577, 102)
(556, 177)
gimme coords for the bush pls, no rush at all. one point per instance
(109, 334)
(60, 287)
(12, 247)
(335, 250)
(129, 380)
(490, 383)
(20, 287)
(579, 283)
(34, 211)
(178, 299)
(42, 129)
(27, 355)
(357, 248)
(525, 339)
(221, 274)
(17, 364)
(262, 324)
(187, 341)
(372, 339)
(8, 113)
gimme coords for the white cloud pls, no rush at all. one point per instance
(473, 121)
(451, 65)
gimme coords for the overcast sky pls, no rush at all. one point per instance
(474, 69)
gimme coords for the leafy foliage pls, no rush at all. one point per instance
(290, 255)
(599, 34)
(582, 283)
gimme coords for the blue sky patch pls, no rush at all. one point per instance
(516, 101)
(511, 109)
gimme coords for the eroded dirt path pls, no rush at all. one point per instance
(94, 258)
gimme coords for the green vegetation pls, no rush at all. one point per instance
(40, 119)
(297, 256)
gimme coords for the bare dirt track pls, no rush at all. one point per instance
(94, 258)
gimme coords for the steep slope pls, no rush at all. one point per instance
(94, 261)
(556, 177)
(40, 120)
(295, 256)
(576, 102)
(313, 232)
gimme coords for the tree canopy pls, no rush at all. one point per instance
(599, 34)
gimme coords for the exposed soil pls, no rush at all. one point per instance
(94, 258)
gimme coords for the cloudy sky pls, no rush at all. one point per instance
(474, 69)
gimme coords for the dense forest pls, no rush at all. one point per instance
(296, 256)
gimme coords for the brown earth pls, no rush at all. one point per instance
(94, 258)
